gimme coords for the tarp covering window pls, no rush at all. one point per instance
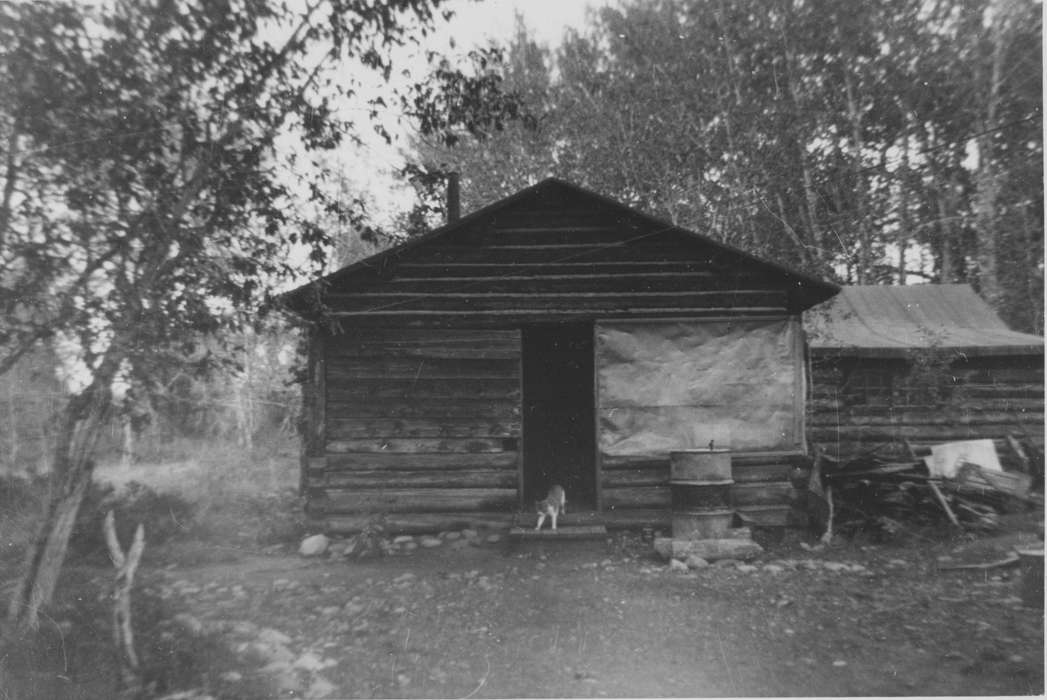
(675, 385)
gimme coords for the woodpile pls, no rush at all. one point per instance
(872, 494)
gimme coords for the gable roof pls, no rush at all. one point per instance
(804, 290)
(889, 321)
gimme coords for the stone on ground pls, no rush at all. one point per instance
(313, 546)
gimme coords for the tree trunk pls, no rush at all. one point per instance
(85, 415)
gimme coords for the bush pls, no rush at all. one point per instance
(164, 515)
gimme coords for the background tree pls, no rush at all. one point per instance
(148, 196)
(876, 142)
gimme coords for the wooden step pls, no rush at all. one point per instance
(563, 532)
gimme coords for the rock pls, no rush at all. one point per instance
(189, 623)
(677, 565)
(470, 534)
(268, 635)
(313, 546)
(404, 578)
(311, 661)
(321, 688)
(710, 550)
(695, 562)
(839, 663)
(747, 568)
(452, 535)
(494, 539)
(835, 566)
(401, 539)
(773, 568)
(429, 541)
(409, 546)
(231, 676)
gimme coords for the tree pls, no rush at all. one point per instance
(145, 199)
(830, 135)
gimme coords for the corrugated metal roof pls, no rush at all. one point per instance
(874, 320)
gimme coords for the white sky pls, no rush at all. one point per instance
(475, 23)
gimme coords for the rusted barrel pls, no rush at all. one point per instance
(700, 490)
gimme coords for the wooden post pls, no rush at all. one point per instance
(123, 635)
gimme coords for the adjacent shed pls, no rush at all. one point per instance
(555, 336)
(924, 364)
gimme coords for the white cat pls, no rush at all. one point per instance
(553, 505)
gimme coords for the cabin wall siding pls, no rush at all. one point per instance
(420, 423)
(982, 398)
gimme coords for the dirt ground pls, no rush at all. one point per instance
(473, 619)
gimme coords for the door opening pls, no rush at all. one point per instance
(559, 414)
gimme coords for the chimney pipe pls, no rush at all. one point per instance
(454, 199)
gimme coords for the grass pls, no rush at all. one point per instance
(206, 503)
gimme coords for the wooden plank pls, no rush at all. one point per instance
(344, 368)
(636, 497)
(488, 269)
(933, 433)
(540, 314)
(376, 479)
(471, 445)
(930, 417)
(631, 518)
(416, 523)
(370, 461)
(754, 473)
(761, 494)
(764, 516)
(437, 427)
(416, 500)
(620, 478)
(601, 301)
(433, 409)
(345, 389)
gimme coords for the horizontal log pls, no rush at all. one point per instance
(415, 500)
(438, 427)
(761, 494)
(902, 432)
(458, 478)
(621, 478)
(636, 497)
(353, 368)
(612, 252)
(596, 301)
(614, 462)
(488, 269)
(764, 516)
(755, 473)
(396, 445)
(384, 460)
(433, 409)
(954, 407)
(929, 418)
(539, 315)
(414, 523)
(344, 389)
(632, 518)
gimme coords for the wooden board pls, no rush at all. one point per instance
(416, 500)
(379, 479)
(372, 461)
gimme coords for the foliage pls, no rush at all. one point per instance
(164, 516)
(154, 155)
(876, 142)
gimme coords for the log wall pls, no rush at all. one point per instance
(636, 490)
(421, 426)
(981, 397)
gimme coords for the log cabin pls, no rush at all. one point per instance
(555, 336)
(922, 364)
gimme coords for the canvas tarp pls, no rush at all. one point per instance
(675, 385)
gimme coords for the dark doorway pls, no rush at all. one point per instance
(559, 430)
